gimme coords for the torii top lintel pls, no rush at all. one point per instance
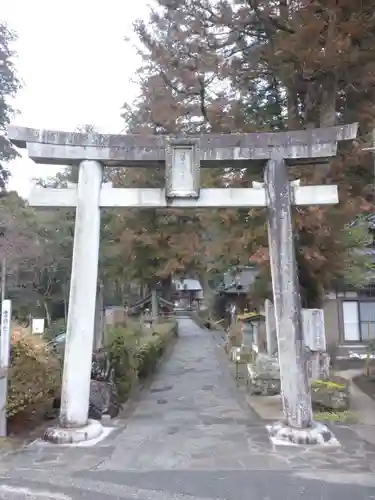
(236, 150)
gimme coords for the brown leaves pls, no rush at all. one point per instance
(214, 66)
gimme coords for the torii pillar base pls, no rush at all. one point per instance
(317, 435)
(65, 435)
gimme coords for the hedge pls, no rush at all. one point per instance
(34, 374)
(134, 355)
(204, 319)
(35, 371)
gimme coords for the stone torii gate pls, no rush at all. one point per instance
(183, 158)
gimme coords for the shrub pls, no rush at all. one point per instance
(34, 374)
(134, 356)
(57, 328)
(120, 348)
(205, 319)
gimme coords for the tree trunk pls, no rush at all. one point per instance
(166, 287)
(328, 101)
(292, 96)
(48, 314)
(311, 115)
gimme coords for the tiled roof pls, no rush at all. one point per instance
(187, 284)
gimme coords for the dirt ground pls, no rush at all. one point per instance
(348, 364)
(366, 385)
(24, 423)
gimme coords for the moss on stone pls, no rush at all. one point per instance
(327, 384)
(336, 416)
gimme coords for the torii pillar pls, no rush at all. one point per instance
(183, 159)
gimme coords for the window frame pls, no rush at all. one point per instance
(357, 301)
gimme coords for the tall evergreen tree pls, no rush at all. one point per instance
(9, 85)
(256, 65)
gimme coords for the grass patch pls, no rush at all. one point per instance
(327, 384)
(345, 416)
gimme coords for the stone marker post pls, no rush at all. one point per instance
(315, 340)
(5, 344)
(270, 324)
(183, 158)
(154, 306)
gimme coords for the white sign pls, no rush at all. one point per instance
(313, 329)
(6, 319)
(37, 325)
(182, 169)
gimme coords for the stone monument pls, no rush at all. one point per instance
(315, 340)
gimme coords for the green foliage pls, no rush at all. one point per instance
(358, 265)
(204, 318)
(326, 384)
(9, 85)
(345, 416)
(35, 373)
(121, 348)
(134, 355)
(293, 65)
(56, 328)
(37, 245)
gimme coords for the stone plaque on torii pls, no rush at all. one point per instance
(183, 158)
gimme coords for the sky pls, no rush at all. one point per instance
(76, 68)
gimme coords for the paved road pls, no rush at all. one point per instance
(190, 438)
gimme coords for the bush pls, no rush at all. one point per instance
(34, 374)
(121, 343)
(134, 355)
(204, 319)
(57, 328)
(153, 347)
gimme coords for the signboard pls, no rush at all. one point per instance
(37, 325)
(6, 319)
(182, 170)
(313, 329)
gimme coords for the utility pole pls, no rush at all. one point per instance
(3, 277)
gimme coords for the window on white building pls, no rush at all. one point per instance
(359, 320)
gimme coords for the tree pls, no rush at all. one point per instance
(260, 65)
(9, 85)
(37, 246)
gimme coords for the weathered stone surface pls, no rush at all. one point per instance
(319, 366)
(330, 394)
(103, 400)
(287, 303)
(20, 136)
(269, 311)
(65, 435)
(316, 435)
(264, 376)
(314, 329)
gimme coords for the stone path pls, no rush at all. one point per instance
(191, 437)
